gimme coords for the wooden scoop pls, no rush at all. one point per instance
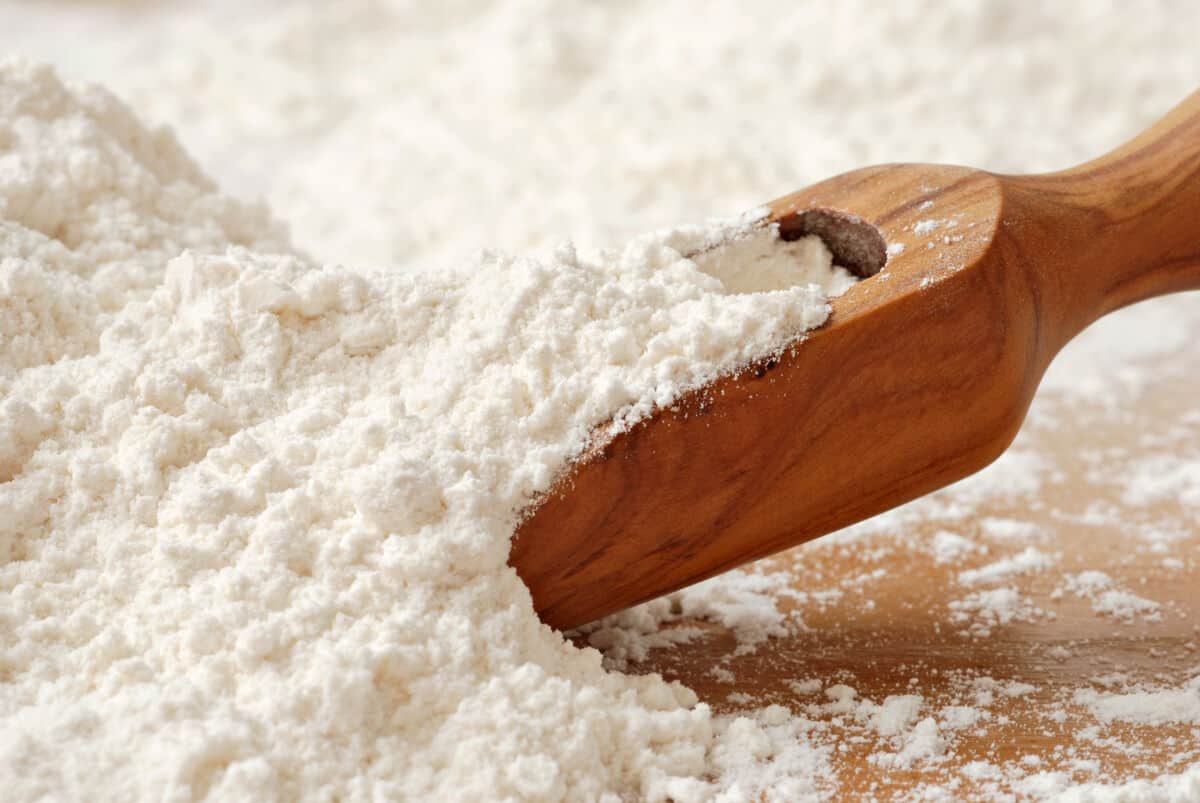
(921, 376)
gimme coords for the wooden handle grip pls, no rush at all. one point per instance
(1116, 230)
(919, 378)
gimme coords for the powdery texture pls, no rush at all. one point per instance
(743, 601)
(1025, 562)
(407, 133)
(1097, 587)
(983, 611)
(258, 515)
(91, 204)
(1153, 706)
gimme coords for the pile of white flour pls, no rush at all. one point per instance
(257, 512)
(255, 496)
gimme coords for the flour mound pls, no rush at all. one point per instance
(91, 205)
(257, 511)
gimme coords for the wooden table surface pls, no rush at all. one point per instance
(1099, 481)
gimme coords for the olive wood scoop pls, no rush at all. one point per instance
(921, 375)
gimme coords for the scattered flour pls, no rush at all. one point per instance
(1147, 706)
(767, 754)
(1010, 529)
(950, 547)
(1025, 562)
(983, 611)
(897, 713)
(1170, 788)
(896, 721)
(406, 134)
(957, 717)
(1097, 587)
(1165, 477)
(744, 601)
(923, 743)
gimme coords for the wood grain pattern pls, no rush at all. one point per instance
(921, 376)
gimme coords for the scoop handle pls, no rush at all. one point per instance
(1115, 230)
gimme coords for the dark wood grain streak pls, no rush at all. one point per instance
(921, 376)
